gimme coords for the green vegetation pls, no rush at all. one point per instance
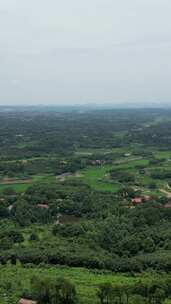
(23, 185)
(88, 283)
(85, 206)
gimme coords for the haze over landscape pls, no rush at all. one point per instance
(92, 52)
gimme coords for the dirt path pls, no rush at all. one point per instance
(168, 194)
(17, 181)
(124, 161)
(63, 176)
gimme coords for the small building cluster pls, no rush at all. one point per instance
(140, 200)
(97, 162)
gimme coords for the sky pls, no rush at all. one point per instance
(85, 52)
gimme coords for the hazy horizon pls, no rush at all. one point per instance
(121, 105)
(93, 52)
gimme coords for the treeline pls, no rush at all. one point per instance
(51, 291)
(152, 292)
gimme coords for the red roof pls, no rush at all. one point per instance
(26, 301)
(137, 200)
(43, 206)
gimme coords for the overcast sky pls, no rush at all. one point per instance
(91, 51)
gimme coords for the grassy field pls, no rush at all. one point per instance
(17, 187)
(97, 177)
(163, 154)
(21, 186)
(86, 281)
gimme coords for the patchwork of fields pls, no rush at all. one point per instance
(98, 177)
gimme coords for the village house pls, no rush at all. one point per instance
(127, 154)
(43, 206)
(140, 200)
(168, 205)
(96, 162)
(137, 200)
(26, 301)
(24, 161)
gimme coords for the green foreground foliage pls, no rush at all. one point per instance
(78, 285)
